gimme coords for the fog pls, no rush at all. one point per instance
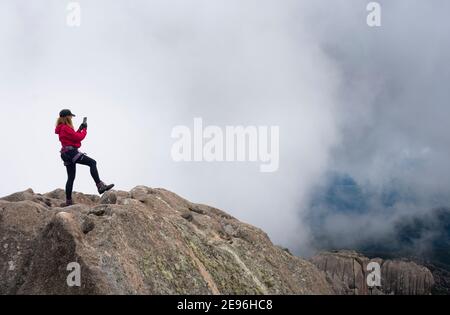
(394, 110)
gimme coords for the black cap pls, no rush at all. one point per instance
(65, 113)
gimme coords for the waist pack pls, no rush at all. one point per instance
(70, 155)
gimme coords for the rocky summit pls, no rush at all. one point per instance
(146, 241)
(151, 241)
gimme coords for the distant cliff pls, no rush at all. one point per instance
(348, 272)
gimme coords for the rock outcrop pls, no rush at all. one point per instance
(146, 241)
(347, 272)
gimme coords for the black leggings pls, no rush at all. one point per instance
(72, 170)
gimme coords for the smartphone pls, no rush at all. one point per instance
(85, 120)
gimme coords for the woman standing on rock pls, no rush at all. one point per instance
(71, 142)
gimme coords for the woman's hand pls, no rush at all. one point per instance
(83, 126)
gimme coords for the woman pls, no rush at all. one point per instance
(71, 142)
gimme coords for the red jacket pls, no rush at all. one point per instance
(70, 137)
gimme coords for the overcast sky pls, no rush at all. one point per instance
(370, 102)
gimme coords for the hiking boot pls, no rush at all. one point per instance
(68, 203)
(102, 187)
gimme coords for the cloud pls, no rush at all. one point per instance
(346, 97)
(394, 100)
(137, 69)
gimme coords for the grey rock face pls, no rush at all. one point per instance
(147, 241)
(347, 272)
